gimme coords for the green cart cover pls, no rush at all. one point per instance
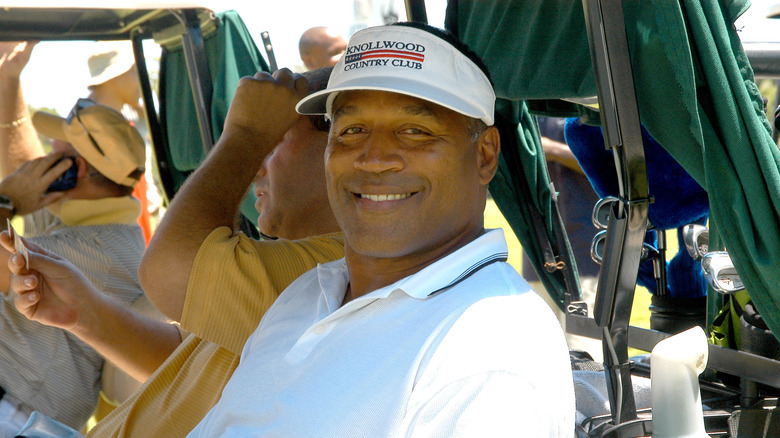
(232, 54)
(696, 96)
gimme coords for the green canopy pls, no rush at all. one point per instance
(695, 93)
(232, 54)
(527, 203)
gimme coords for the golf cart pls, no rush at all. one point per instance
(676, 68)
(679, 70)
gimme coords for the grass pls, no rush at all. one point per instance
(640, 313)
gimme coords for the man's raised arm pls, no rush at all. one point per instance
(262, 110)
(18, 140)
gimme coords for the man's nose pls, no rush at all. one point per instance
(263, 170)
(380, 153)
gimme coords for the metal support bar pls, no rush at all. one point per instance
(764, 59)
(152, 120)
(739, 363)
(269, 50)
(415, 11)
(628, 223)
(659, 264)
(198, 71)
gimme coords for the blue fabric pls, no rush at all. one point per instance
(679, 200)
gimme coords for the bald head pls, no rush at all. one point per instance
(321, 47)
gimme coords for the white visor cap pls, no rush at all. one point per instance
(410, 61)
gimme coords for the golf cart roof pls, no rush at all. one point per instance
(91, 20)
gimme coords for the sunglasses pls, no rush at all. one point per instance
(320, 123)
(74, 114)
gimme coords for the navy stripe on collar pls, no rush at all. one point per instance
(497, 257)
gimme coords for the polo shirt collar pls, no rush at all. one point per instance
(455, 267)
(438, 276)
(442, 274)
(123, 210)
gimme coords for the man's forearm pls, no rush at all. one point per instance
(18, 139)
(263, 109)
(209, 199)
(135, 343)
(560, 153)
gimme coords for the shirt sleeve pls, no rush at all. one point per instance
(235, 279)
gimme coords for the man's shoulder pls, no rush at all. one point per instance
(497, 279)
(107, 235)
(323, 241)
(316, 249)
(96, 249)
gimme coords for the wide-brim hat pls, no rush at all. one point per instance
(410, 61)
(109, 61)
(102, 136)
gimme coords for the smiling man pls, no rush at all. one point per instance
(423, 329)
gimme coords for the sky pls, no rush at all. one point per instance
(57, 73)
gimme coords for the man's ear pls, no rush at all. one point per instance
(306, 58)
(83, 167)
(488, 150)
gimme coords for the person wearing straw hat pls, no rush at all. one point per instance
(113, 78)
(114, 82)
(92, 224)
(423, 329)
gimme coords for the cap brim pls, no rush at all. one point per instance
(316, 103)
(50, 125)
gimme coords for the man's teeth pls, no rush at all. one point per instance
(391, 197)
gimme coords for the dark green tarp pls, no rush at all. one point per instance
(696, 96)
(522, 201)
(232, 54)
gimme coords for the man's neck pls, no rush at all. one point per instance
(105, 96)
(87, 189)
(368, 273)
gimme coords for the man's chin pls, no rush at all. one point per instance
(266, 233)
(266, 236)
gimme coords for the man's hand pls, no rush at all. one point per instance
(26, 186)
(55, 293)
(262, 111)
(264, 105)
(13, 57)
(52, 292)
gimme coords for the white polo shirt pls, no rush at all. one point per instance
(442, 352)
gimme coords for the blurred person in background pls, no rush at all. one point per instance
(321, 47)
(114, 82)
(92, 223)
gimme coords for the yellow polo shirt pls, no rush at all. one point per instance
(234, 280)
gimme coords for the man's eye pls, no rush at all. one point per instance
(414, 131)
(352, 130)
